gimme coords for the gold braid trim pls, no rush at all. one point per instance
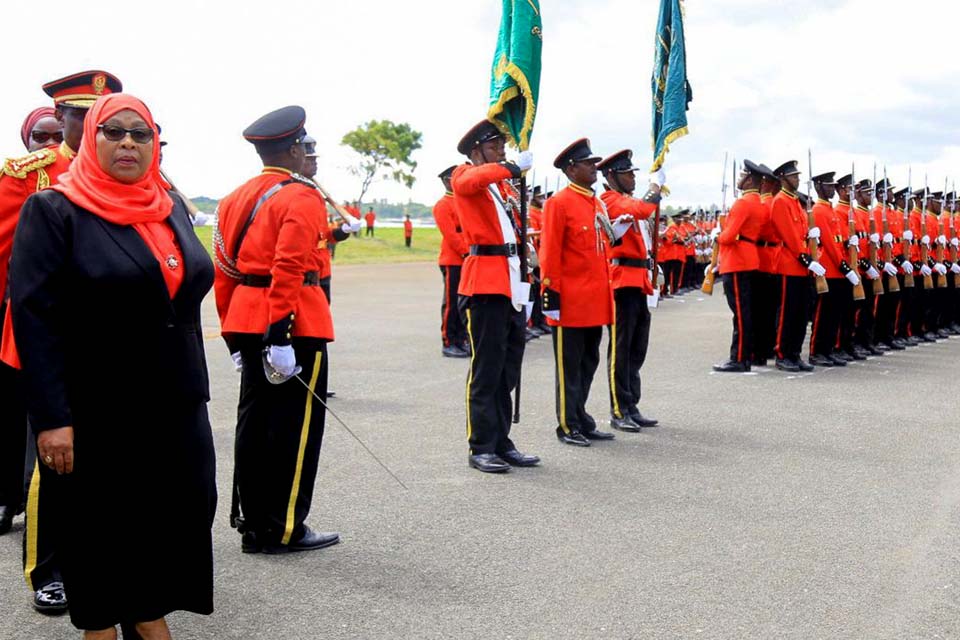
(43, 180)
(20, 167)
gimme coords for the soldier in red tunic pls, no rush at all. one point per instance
(453, 250)
(276, 322)
(20, 177)
(493, 294)
(577, 300)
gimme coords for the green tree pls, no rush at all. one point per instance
(384, 149)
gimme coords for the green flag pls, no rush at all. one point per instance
(515, 82)
(671, 91)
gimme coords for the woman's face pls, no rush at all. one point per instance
(125, 155)
(46, 132)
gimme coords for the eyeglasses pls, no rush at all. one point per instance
(44, 137)
(114, 133)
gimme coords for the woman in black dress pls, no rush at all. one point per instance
(106, 281)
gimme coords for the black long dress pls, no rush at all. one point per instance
(106, 350)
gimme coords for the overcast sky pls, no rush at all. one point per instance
(770, 79)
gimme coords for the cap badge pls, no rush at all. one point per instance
(99, 83)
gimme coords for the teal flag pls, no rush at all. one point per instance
(515, 81)
(671, 91)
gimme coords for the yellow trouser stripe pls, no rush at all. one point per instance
(563, 393)
(613, 364)
(33, 509)
(473, 354)
(304, 434)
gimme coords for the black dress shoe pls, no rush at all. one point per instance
(872, 350)
(954, 327)
(837, 360)
(820, 360)
(638, 419)
(593, 434)
(804, 366)
(309, 541)
(50, 599)
(574, 438)
(881, 347)
(856, 354)
(732, 366)
(929, 336)
(787, 365)
(843, 355)
(248, 543)
(894, 345)
(914, 340)
(6, 519)
(517, 459)
(943, 333)
(530, 334)
(488, 463)
(454, 351)
(624, 424)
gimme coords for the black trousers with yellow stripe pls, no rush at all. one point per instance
(41, 527)
(452, 330)
(13, 437)
(279, 434)
(627, 349)
(496, 333)
(828, 311)
(576, 352)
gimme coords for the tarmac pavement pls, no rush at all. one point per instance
(767, 505)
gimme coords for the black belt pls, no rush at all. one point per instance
(746, 239)
(765, 243)
(643, 263)
(506, 250)
(310, 279)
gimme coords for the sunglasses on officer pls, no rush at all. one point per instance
(113, 133)
(44, 137)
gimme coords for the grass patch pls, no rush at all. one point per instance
(387, 246)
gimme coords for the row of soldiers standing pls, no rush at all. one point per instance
(594, 272)
(877, 272)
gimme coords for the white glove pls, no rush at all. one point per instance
(553, 315)
(875, 238)
(955, 267)
(888, 238)
(890, 268)
(955, 242)
(237, 361)
(708, 251)
(852, 277)
(699, 253)
(525, 161)
(872, 273)
(282, 359)
(907, 266)
(942, 240)
(854, 241)
(817, 268)
(925, 270)
(659, 177)
(621, 225)
(941, 268)
(925, 240)
(350, 227)
(813, 233)
(908, 235)
(714, 233)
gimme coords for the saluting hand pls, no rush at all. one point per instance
(55, 448)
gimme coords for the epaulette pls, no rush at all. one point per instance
(20, 167)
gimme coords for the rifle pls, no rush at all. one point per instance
(853, 252)
(924, 248)
(522, 250)
(812, 244)
(877, 284)
(708, 279)
(953, 224)
(893, 285)
(343, 213)
(941, 250)
(908, 282)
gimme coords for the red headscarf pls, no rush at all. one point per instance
(88, 186)
(33, 118)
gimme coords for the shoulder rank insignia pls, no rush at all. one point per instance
(20, 167)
